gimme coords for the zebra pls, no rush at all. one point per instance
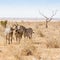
(28, 32)
(18, 33)
(9, 34)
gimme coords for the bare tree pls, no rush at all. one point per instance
(48, 19)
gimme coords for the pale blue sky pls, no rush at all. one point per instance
(28, 8)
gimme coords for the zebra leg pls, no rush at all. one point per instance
(9, 40)
(30, 36)
(25, 35)
(19, 39)
(16, 38)
(6, 39)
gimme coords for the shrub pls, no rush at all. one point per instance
(28, 51)
(41, 34)
(53, 44)
(3, 23)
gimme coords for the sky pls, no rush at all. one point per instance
(29, 8)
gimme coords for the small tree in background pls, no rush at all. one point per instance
(3, 23)
(48, 19)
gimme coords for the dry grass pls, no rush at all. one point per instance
(44, 45)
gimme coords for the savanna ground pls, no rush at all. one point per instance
(44, 45)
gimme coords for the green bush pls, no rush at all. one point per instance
(3, 23)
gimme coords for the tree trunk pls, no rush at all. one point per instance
(46, 24)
